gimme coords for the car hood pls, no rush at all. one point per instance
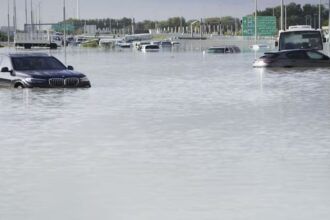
(45, 74)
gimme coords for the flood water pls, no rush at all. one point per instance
(168, 136)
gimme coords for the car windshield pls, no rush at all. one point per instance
(37, 63)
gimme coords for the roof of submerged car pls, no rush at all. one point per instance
(27, 55)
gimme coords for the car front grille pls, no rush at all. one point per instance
(71, 82)
(68, 82)
(56, 82)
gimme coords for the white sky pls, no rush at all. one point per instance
(52, 10)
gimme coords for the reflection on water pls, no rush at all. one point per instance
(168, 136)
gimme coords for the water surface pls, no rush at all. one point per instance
(170, 135)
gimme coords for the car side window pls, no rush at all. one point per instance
(316, 56)
(297, 55)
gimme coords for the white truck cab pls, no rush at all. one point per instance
(300, 37)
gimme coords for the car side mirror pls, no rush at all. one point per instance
(70, 68)
(276, 43)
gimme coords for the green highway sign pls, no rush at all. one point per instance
(60, 27)
(266, 26)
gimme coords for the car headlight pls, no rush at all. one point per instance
(259, 63)
(34, 80)
(84, 79)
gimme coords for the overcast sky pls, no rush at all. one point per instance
(52, 10)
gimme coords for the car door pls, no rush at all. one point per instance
(317, 59)
(6, 78)
(296, 58)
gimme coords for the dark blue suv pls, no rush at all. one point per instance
(29, 70)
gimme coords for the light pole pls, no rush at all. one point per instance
(26, 12)
(32, 27)
(191, 27)
(78, 10)
(281, 14)
(15, 18)
(329, 31)
(285, 15)
(8, 32)
(64, 24)
(255, 22)
(314, 17)
(320, 14)
(39, 12)
(310, 19)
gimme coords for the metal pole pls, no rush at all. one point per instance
(39, 3)
(201, 28)
(329, 31)
(78, 10)
(320, 14)
(110, 26)
(32, 27)
(64, 24)
(8, 32)
(133, 22)
(26, 13)
(15, 18)
(281, 14)
(255, 22)
(285, 15)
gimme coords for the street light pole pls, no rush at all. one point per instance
(329, 31)
(15, 18)
(8, 32)
(285, 15)
(255, 22)
(191, 28)
(26, 13)
(32, 27)
(320, 14)
(64, 24)
(281, 14)
(78, 10)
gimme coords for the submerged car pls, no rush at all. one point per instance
(224, 49)
(293, 58)
(31, 70)
(150, 48)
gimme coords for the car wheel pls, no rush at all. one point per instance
(19, 86)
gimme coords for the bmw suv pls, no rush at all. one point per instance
(29, 70)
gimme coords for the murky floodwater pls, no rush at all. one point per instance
(168, 136)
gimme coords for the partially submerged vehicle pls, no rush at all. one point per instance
(293, 58)
(150, 48)
(29, 70)
(300, 37)
(224, 49)
(138, 44)
(123, 44)
(92, 43)
(297, 47)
